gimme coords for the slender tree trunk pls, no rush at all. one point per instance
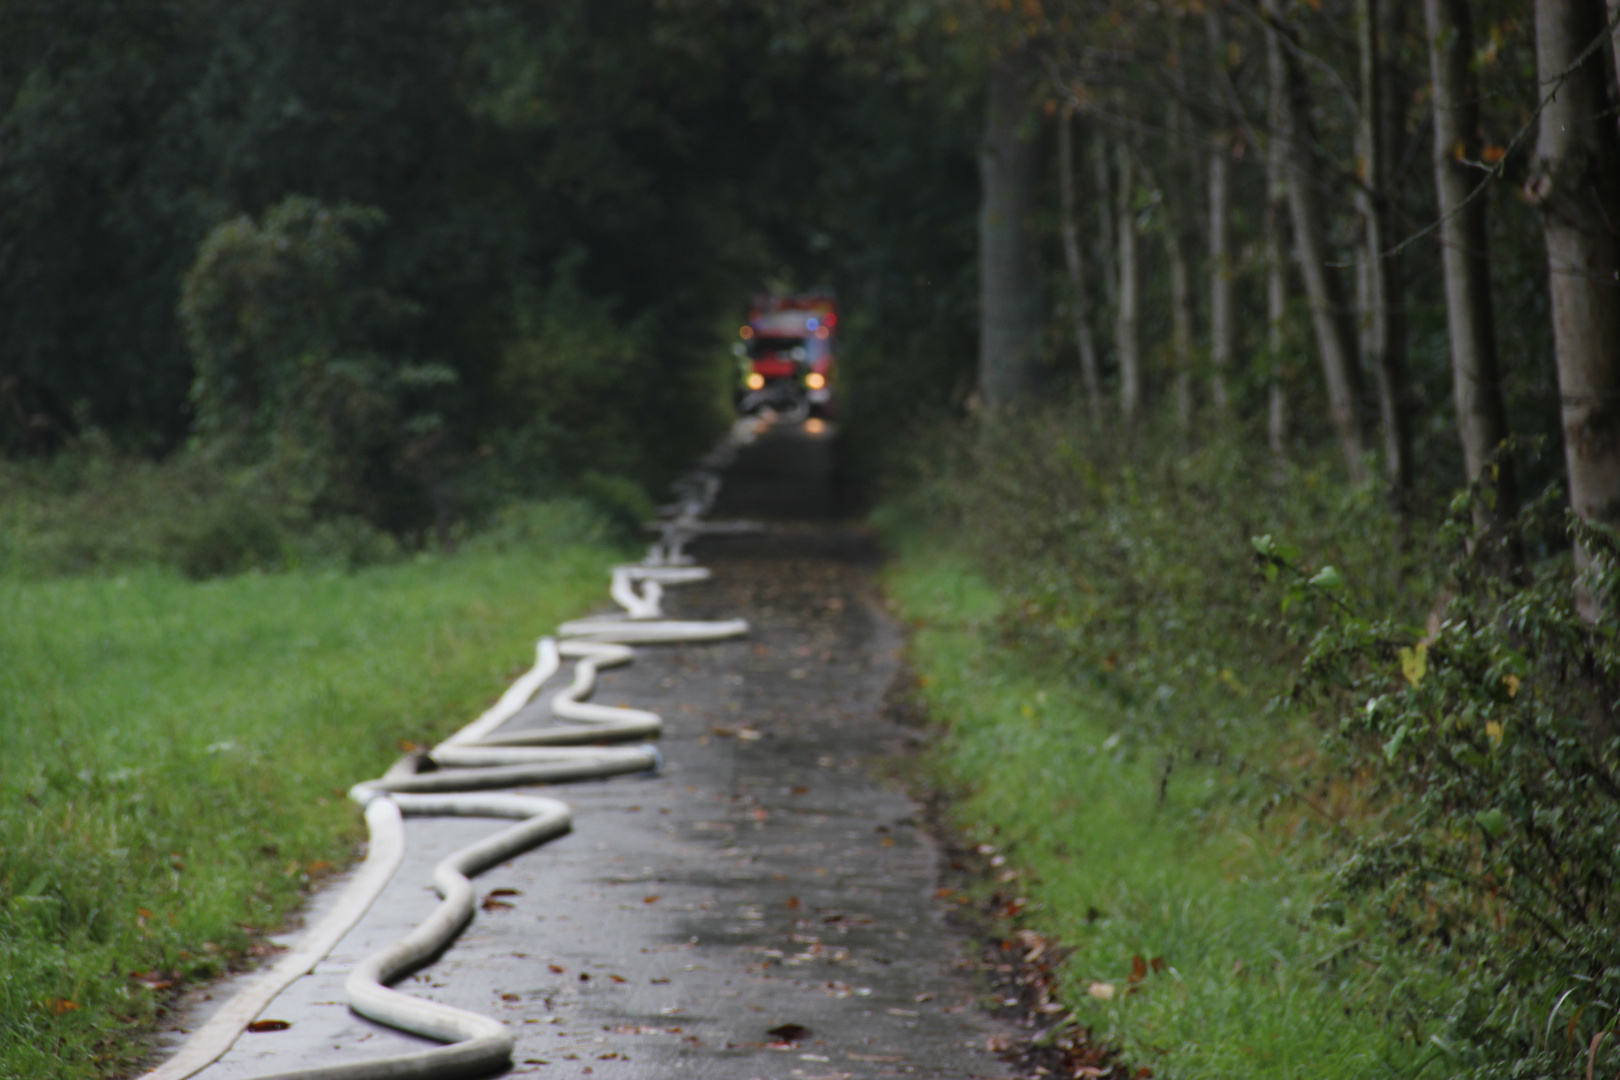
(1079, 295)
(1102, 161)
(1475, 384)
(1181, 325)
(1181, 236)
(1614, 36)
(1222, 320)
(1275, 228)
(1335, 330)
(1385, 342)
(1126, 331)
(1222, 317)
(1575, 180)
(1010, 323)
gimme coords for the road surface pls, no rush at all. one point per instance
(763, 909)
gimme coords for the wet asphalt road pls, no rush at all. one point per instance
(768, 876)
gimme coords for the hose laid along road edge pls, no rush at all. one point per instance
(480, 757)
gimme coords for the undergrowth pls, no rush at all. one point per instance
(1310, 789)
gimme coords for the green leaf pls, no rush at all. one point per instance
(1393, 746)
(1328, 578)
(1492, 821)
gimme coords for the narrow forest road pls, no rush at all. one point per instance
(767, 878)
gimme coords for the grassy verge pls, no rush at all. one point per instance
(174, 756)
(1186, 913)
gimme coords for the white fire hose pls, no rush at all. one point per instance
(454, 779)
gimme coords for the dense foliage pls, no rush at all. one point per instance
(436, 256)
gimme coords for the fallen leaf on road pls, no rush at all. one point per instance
(268, 1025)
(492, 904)
(651, 899)
(789, 1033)
(505, 892)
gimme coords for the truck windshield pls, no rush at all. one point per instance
(763, 348)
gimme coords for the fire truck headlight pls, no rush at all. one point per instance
(815, 380)
(756, 381)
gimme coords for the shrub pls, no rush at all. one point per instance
(1486, 742)
(1446, 728)
(290, 372)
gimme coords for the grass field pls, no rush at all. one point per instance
(1121, 859)
(174, 757)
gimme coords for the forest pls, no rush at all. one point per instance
(1243, 373)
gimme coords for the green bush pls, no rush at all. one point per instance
(1443, 732)
(1486, 748)
(292, 373)
(1128, 565)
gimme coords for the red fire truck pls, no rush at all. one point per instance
(788, 355)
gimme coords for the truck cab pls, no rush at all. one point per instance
(788, 355)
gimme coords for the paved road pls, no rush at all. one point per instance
(768, 877)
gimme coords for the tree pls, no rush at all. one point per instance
(1011, 324)
(1079, 294)
(1465, 251)
(1222, 269)
(1377, 132)
(1335, 338)
(1575, 180)
(1127, 313)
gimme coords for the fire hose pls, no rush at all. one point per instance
(458, 778)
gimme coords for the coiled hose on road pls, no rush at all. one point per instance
(457, 778)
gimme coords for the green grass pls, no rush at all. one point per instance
(1120, 860)
(174, 757)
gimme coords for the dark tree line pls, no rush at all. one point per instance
(564, 204)
(1401, 192)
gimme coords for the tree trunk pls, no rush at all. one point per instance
(1335, 330)
(1614, 36)
(1386, 347)
(1181, 323)
(1222, 321)
(1575, 180)
(1222, 318)
(1275, 228)
(1181, 235)
(1079, 296)
(1126, 315)
(1465, 248)
(1102, 161)
(1010, 323)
